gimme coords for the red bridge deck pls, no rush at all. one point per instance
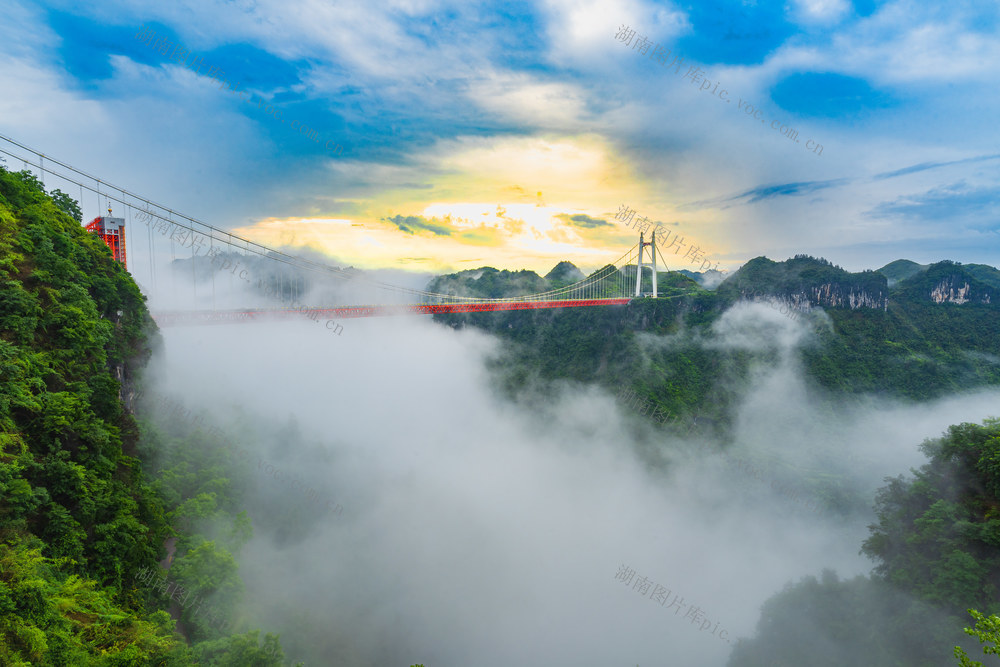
(346, 312)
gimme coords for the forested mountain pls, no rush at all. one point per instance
(83, 523)
(805, 279)
(984, 273)
(564, 273)
(709, 278)
(936, 545)
(950, 283)
(100, 481)
(870, 338)
(937, 552)
(489, 283)
(900, 270)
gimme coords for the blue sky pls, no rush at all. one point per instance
(509, 134)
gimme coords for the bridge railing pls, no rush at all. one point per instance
(609, 282)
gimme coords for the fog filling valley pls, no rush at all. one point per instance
(477, 531)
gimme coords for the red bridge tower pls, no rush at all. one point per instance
(112, 232)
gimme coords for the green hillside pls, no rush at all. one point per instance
(984, 273)
(880, 341)
(936, 548)
(936, 545)
(562, 274)
(489, 283)
(950, 283)
(901, 269)
(805, 278)
(82, 526)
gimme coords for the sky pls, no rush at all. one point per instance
(430, 136)
(436, 136)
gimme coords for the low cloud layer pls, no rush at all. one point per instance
(477, 532)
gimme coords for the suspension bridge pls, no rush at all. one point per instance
(200, 263)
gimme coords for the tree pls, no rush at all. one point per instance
(67, 204)
(938, 534)
(987, 630)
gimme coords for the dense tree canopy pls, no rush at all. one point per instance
(79, 520)
(938, 535)
(937, 552)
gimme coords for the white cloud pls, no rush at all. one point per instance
(909, 42)
(478, 532)
(581, 33)
(521, 99)
(819, 11)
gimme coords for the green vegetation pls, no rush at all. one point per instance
(987, 630)
(856, 621)
(915, 348)
(937, 541)
(937, 551)
(983, 273)
(938, 535)
(957, 284)
(818, 279)
(79, 517)
(489, 283)
(901, 269)
(94, 482)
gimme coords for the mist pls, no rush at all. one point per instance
(476, 531)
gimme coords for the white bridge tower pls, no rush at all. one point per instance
(638, 271)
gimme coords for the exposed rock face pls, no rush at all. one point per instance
(835, 295)
(792, 302)
(811, 282)
(956, 290)
(123, 372)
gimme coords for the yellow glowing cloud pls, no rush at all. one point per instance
(504, 201)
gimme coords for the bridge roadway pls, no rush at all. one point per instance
(176, 318)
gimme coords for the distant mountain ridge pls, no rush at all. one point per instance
(929, 335)
(708, 279)
(901, 269)
(985, 273)
(816, 282)
(950, 282)
(806, 280)
(489, 283)
(803, 281)
(564, 273)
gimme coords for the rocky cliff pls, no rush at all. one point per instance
(809, 281)
(950, 283)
